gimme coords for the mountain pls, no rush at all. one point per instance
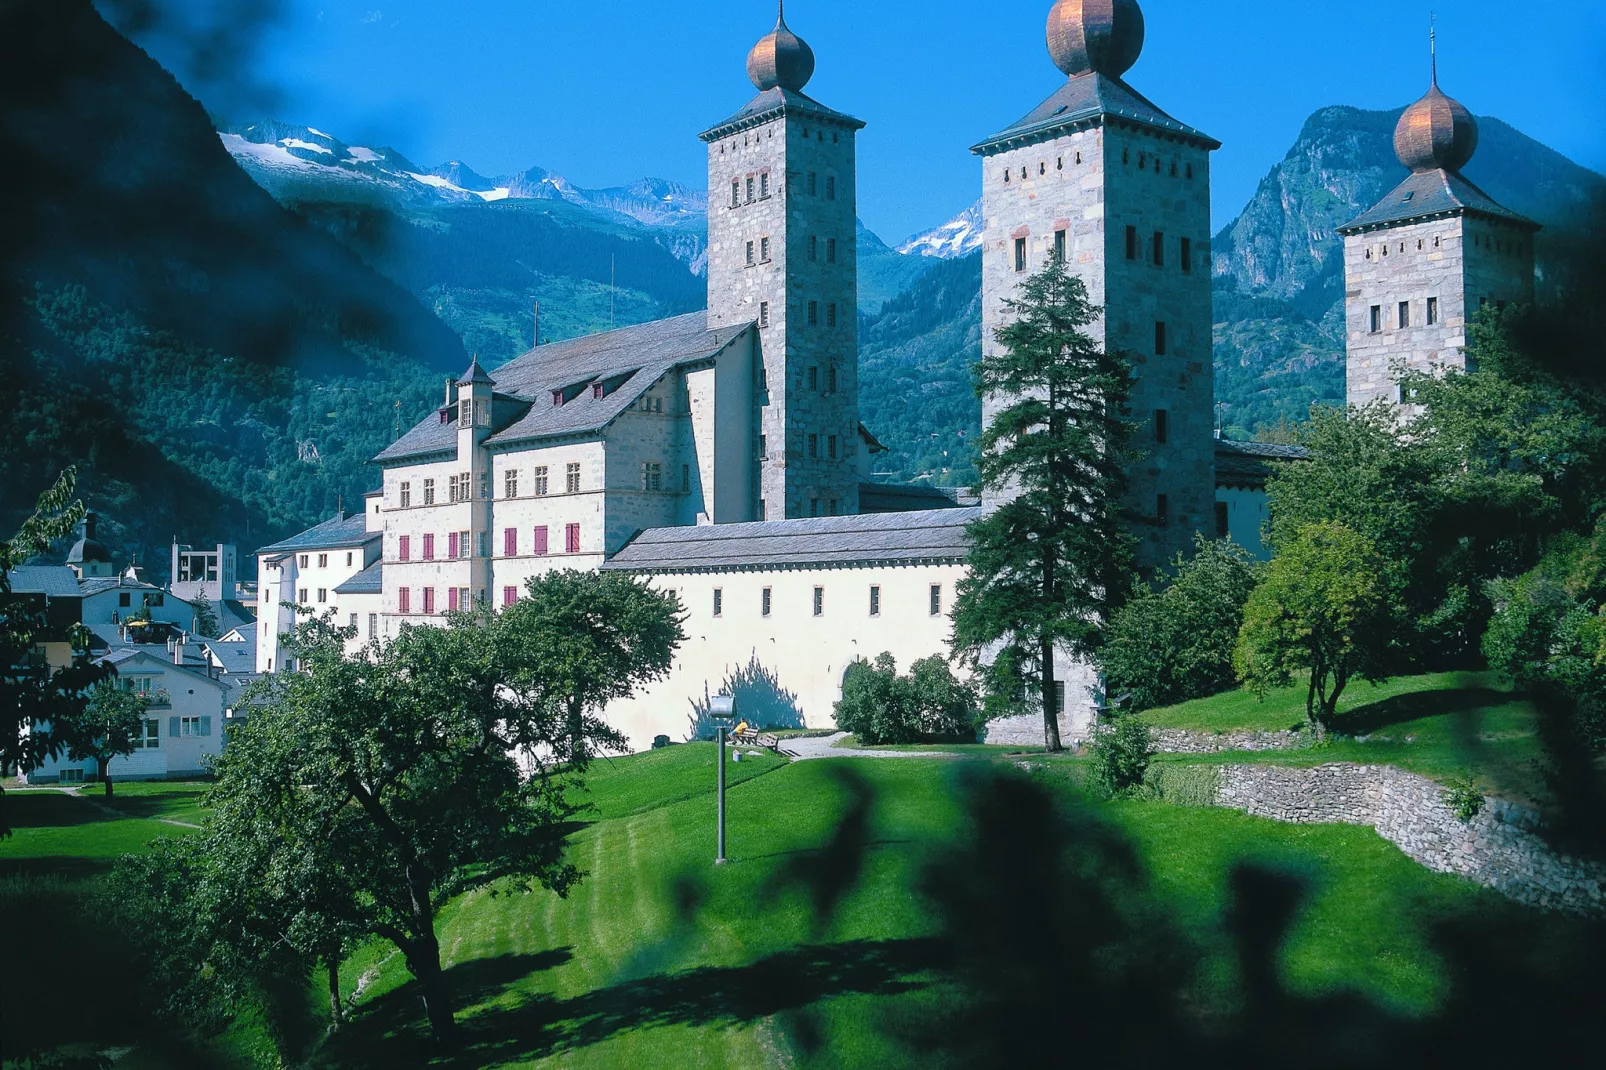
(1279, 265)
(205, 357)
(960, 236)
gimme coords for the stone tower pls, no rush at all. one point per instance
(1420, 263)
(782, 207)
(1103, 179)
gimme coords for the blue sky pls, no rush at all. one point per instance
(607, 91)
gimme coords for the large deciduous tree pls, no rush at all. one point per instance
(1049, 558)
(110, 725)
(440, 761)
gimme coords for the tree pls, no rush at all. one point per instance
(1321, 608)
(110, 725)
(1176, 643)
(33, 694)
(1049, 560)
(206, 624)
(442, 761)
(930, 704)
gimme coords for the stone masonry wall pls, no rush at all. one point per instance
(1410, 263)
(1497, 849)
(1182, 741)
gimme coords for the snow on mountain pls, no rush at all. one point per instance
(955, 238)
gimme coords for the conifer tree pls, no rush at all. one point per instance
(1049, 553)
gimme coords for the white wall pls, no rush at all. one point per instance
(1246, 514)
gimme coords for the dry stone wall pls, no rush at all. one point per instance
(1182, 741)
(1499, 848)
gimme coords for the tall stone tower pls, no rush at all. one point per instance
(782, 207)
(1421, 262)
(1101, 178)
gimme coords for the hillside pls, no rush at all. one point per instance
(164, 323)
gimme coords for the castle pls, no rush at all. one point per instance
(720, 455)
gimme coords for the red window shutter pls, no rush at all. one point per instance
(429, 547)
(429, 599)
(540, 541)
(510, 542)
(402, 600)
(451, 599)
(573, 538)
(404, 547)
(510, 595)
(451, 545)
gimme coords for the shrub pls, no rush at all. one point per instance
(1119, 756)
(928, 705)
(1463, 795)
(1176, 643)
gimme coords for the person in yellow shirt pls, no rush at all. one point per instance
(740, 728)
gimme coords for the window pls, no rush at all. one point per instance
(1162, 509)
(323, 595)
(830, 380)
(125, 600)
(1020, 254)
(831, 507)
(510, 484)
(1131, 243)
(749, 189)
(1376, 321)
(764, 603)
(1059, 246)
(1405, 314)
(302, 596)
(510, 595)
(814, 507)
(1185, 255)
(482, 543)
(830, 250)
(764, 186)
(540, 482)
(936, 599)
(1159, 339)
(571, 478)
(323, 560)
(830, 451)
(875, 600)
(1162, 426)
(510, 542)
(763, 446)
(1006, 175)
(373, 625)
(403, 600)
(736, 192)
(1223, 529)
(652, 476)
(155, 599)
(814, 447)
(452, 548)
(571, 538)
(1433, 311)
(814, 248)
(814, 313)
(406, 495)
(763, 509)
(455, 491)
(192, 726)
(830, 314)
(404, 547)
(814, 377)
(819, 601)
(830, 188)
(749, 254)
(348, 560)
(539, 549)
(763, 313)
(354, 622)
(764, 250)
(303, 560)
(811, 183)
(1157, 250)
(429, 600)
(719, 602)
(429, 547)
(150, 736)
(429, 492)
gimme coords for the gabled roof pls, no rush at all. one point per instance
(1429, 194)
(238, 657)
(1247, 464)
(338, 532)
(123, 656)
(1081, 101)
(369, 581)
(771, 103)
(54, 581)
(638, 356)
(904, 497)
(881, 538)
(97, 584)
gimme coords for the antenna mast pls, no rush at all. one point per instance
(1433, 44)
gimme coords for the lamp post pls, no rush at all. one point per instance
(722, 708)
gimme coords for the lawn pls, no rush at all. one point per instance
(59, 833)
(660, 959)
(1439, 725)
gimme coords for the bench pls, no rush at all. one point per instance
(752, 738)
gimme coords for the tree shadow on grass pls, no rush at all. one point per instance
(50, 809)
(150, 806)
(68, 866)
(1462, 704)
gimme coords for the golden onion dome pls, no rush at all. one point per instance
(1095, 35)
(781, 58)
(1436, 132)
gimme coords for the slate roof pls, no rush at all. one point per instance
(369, 581)
(772, 102)
(96, 584)
(338, 531)
(235, 657)
(877, 538)
(904, 498)
(1427, 194)
(54, 581)
(637, 356)
(1247, 464)
(1081, 100)
(233, 614)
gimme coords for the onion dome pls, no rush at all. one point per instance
(1436, 132)
(89, 550)
(1095, 35)
(781, 59)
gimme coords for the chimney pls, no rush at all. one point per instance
(449, 384)
(178, 648)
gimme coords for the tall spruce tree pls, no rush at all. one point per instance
(1049, 556)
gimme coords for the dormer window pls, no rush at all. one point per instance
(597, 391)
(465, 413)
(557, 399)
(1409, 194)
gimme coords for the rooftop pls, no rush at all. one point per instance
(1081, 101)
(876, 538)
(1248, 464)
(337, 532)
(774, 102)
(1429, 194)
(55, 581)
(369, 581)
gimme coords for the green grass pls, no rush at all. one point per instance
(172, 800)
(58, 833)
(1439, 725)
(851, 742)
(619, 787)
(659, 959)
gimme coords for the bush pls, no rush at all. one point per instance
(1173, 644)
(927, 706)
(1463, 795)
(1118, 756)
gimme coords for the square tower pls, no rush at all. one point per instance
(1098, 176)
(782, 253)
(1420, 263)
